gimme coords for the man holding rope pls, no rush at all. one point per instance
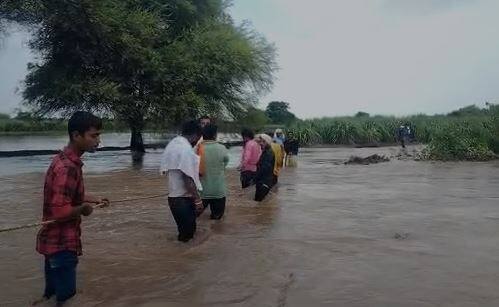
(64, 203)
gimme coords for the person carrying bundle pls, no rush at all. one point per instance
(265, 170)
(278, 150)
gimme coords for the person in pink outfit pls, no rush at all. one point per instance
(249, 159)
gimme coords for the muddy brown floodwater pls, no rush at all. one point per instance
(400, 233)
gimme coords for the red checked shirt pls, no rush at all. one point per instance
(63, 190)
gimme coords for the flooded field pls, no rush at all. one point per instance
(400, 233)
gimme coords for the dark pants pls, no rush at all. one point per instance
(217, 207)
(60, 275)
(261, 191)
(247, 178)
(184, 212)
(404, 141)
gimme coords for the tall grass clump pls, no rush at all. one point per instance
(461, 140)
(466, 134)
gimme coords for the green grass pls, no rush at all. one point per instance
(466, 137)
(10, 126)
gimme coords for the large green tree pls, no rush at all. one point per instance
(278, 112)
(254, 118)
(141, 60)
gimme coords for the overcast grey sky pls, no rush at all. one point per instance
(14, 56)
(341, 56)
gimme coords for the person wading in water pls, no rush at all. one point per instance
(182, 166)
(249, 158)
(65, 202)
(278, 150)
(216, 158)
(265, 171)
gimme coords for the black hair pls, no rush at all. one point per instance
(271, 134)
(204, 117)
(210, 132)
(191, 127)
(246, 132)
(82, 121)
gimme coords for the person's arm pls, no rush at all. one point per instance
(226, 157)
(103, 202)
(268, 165)
(193, 191)
(61, 203)
(200, 153)
(281, 157)
(256, 152)
(246, 155)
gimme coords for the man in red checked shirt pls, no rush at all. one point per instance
(64, 202)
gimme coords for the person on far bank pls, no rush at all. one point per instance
(65, 201)
(249, 159)
(182, 166)
(278, 151)
(216, 158)
(265, 172)
(404, 133)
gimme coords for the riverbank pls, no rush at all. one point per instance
(400, 233)
(48, 144)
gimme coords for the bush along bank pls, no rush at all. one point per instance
(447, 138)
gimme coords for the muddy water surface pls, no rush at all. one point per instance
(401, 233)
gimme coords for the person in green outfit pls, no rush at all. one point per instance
(216, 158)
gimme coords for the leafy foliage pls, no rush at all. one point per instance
(141, 60)
(278, 112)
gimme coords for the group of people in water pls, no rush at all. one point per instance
(195, 164)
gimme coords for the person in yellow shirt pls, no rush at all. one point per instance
(278, 151)
(199, 148)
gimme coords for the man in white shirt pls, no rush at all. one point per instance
(182, 166)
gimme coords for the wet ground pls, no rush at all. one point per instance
(400, 233)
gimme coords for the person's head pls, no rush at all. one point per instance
(84, 131)
(264, 140)
(191, 130)
(204, 120)
(247, 134)
(210, 132)
(279, 133)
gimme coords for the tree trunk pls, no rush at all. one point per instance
(136, 141)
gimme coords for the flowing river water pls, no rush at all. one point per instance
(401, 233)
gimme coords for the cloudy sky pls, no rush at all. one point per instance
(337, 57)
(14, 55)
